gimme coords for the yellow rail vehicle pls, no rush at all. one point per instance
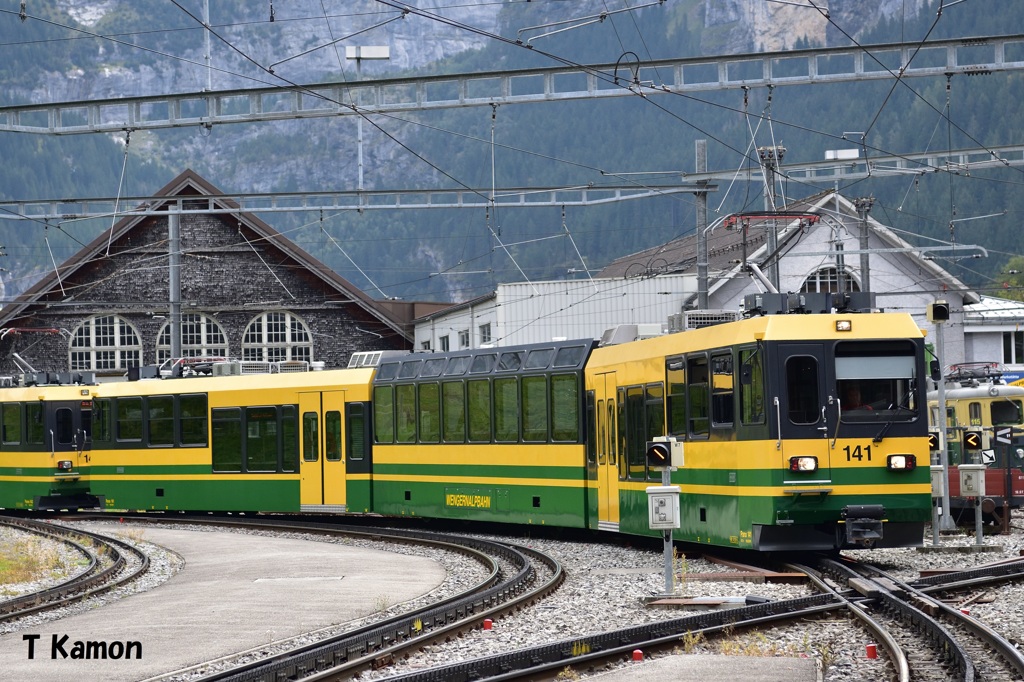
(776, 453)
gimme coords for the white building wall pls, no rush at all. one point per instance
(535, 312)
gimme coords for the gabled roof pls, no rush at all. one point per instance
(725, 248)
(191, 184)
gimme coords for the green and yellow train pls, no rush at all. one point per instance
(770, 452)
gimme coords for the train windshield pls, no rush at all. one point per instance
(876, 381)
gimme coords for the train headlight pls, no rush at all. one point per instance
(804, 463)
(901, 462)
(64, 465)
(844, 325)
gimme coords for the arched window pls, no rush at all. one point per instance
(105, 342)
(201, 337)
(274, 337)
(827, 280)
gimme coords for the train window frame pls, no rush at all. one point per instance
(159, 418)
(332, 436)
(127, 424)
(507, 409)
(383, 414)
(13, 423)
(534, 401)
(698, 412)
(480, 411)
(64, 426)
(565, 408)
(101, 418)
(193, 424)
(539, 358)
(483, 364)
(458, 365)
(569, 356)
(226, 438)
(357, 439)
(511, 361)
(723, 408)
(428, 412)
(797, 395)
(654, 419)
(594, 410)
(675, 396)
(433, 367)
(290, 439)
(752, 394)
(636, 432)
(620, 430)
(388, 371)
(405, 413)
(310, 437)
(410, 369)
(453, 411)
(261, 443)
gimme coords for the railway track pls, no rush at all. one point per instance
(110, 564)
(924, 637)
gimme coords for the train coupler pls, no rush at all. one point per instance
(863, 524)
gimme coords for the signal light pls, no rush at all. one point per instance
(901, 463)
(972, 440)
(933, 441)
(658, 454)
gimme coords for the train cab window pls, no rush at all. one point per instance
(510, 362)
(506, 410)
(12, 423)
(101, 415)
(405, 413)
(65, 427)
(752, 400)
(802, 389)
(675, 375)
(35, 426)
(876, 381)
(289, 439)
(129, 419)
(310, 437)
(539, 359)
(429, 413)
(482, 364)
(565, 402)
(160, 418)
(721, 389)
(1007, 413)
(697, 395)
(192, 419)
(226, 441)
(535, 409)
(332, 436)
(478, 400)
(974, 413)
(453, 411)
(261, 439)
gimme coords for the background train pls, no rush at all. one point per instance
(984, 425)
(775, 452)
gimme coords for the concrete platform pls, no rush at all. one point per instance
(236, 592)
(707, 667)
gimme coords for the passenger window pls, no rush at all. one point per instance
(697, 391)
(479, 399)
(227, 439)
(310, 437)
(453, 407)
(535, 409)
(261, 438)
(429, 413)
(129, 419)
(289, 439)
(12, 423)
(751, 387)
(506, 410)
(332, 435)
(383, 414)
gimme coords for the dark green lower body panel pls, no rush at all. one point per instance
(270, 495)
(562, 506)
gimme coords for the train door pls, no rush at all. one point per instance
(358, 458)
(607, 459)
(322, 466)
(806, 410)
(68, 434)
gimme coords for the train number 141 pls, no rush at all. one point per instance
(858, 453)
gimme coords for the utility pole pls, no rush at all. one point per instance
(701, 149)
(771, 160)
(863, 206)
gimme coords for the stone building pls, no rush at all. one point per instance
(246, 292)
